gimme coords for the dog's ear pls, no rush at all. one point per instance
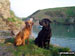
(31, 19)
(32, 23)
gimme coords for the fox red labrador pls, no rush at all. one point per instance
(24, 34)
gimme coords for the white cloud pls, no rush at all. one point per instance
(24, 8)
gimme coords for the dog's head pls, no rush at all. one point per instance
(29, 23)
(45, 22)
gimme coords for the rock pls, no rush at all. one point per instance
(4, 9)
(8, 20)
(56, 45)
(2, 40)
(8, 43)
(4, 13)
(6, 54)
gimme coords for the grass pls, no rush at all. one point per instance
(14, 19)
(11, 20)
(31, 49)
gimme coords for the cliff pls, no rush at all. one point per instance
(8, 20)
(4, 9)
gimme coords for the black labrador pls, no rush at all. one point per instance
(44, 36)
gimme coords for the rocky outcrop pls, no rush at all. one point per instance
(4, 13)
(8, 20)
(4, 9)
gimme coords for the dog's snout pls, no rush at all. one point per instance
(29, 24)
(40, 22)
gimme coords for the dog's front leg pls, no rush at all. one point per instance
(48, 44)
(23, 41)
(27, 40)
(43, 44)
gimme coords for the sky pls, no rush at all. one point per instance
(24, 8)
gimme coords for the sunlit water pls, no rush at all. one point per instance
(62, 35)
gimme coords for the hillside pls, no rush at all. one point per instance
(64, 15)
(8, 20)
